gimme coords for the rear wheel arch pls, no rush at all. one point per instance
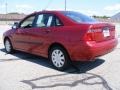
(57, 45)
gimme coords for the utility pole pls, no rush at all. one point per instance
(65, 5)
(6, 6)
(1, 2)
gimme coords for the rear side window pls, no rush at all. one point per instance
(44, 20)
(40, 22)
(78, 17)
(47, 20)
(50, 19)
(57, 22)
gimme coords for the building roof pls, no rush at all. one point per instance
(11, 16)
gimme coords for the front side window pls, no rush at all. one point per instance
(27, 23)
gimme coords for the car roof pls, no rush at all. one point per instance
(47, 11)
(51, 11)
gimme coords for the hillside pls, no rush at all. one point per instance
(116, 17)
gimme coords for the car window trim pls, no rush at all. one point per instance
(56, 17)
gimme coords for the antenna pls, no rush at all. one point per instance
(48, 4)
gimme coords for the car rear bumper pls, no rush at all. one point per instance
(90, 50)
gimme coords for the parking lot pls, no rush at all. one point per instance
(22, 71)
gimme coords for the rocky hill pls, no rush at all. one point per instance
(116, 17)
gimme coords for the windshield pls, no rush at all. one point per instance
(78, 17)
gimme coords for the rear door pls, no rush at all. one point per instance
(43, 32)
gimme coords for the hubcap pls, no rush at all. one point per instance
(7, 46)
(58, 58)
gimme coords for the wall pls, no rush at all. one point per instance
(7, 22)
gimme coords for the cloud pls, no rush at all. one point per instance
(114, 7)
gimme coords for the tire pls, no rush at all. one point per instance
(59, 58)
(8, 46)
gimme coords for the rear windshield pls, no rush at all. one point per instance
(78, 17)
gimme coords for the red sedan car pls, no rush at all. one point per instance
(61, 36)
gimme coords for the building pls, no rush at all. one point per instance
(10, 18)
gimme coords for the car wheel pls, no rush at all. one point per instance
(59, 58)
(8, 46)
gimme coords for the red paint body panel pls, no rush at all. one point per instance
(72, 36)
(88, 51)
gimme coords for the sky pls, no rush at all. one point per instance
(88, 7)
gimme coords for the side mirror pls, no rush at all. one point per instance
(15, 25)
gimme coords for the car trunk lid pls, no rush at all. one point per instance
(100, 32)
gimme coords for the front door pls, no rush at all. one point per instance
(22, 35)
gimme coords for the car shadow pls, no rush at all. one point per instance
(79, 66)
(28, 57)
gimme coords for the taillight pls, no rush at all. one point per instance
(89, 35)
